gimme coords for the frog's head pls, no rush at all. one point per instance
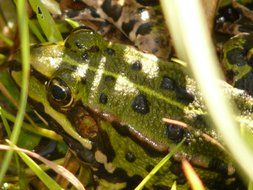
(45, 83)
(238, 61)
(57, 75)
(58, 70)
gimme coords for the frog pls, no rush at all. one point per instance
(236, 52)
(128, 93)
(237, 61)
(141, 22)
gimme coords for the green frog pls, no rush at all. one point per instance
(128, 93)
(238, 61)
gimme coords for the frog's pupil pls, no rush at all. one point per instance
(58, 93)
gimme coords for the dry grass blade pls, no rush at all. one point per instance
(186, 22)
(58, 169)
(192, 177)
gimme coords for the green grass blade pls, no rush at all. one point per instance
(250, 185)
(187, 23)
(46, 21)
(174, 186)
(46, 179)
(5, 123)
(34, 129)
(2, 57)
(159, 165)
(22, 177)
(36, 31)
(24, 39)
(72, 23)
(6, 40)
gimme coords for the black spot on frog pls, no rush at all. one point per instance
(167, 83)
(237, 57)
(127, 27)
(103, 98)
(110, 51)
(136, 66)
(140, 104)
(130, 157)
(113, 11)
(144, 29)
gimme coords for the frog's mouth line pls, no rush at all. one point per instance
(83, 153)
(87, 156)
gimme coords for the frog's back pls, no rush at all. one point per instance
(132, 92)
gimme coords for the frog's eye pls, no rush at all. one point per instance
(59, 93)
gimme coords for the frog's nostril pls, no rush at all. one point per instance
(15, 65)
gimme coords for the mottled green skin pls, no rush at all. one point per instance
(237, 61)
(119, 65)
(144, 163)
(239, 42)
(85, 77)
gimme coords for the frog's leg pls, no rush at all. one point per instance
(237, 61)
(84, 172)
(141, 24)
(89, 17)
